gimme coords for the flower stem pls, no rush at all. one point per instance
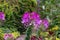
(28, 33)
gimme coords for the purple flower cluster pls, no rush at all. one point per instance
(2, 16)
(33, 18)
(45, 23)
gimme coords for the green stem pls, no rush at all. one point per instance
(38, 32)
(28, 33)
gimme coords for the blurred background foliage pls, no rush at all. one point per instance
(14, 9)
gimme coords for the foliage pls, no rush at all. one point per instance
(13, 10)
(14, 32)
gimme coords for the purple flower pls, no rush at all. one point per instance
(35, 16)
(45, 23)
(31, 18)
(2, 16)
(26, 18)
(37, 24)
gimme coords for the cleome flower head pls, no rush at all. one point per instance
(2, 16)
(31, 18)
